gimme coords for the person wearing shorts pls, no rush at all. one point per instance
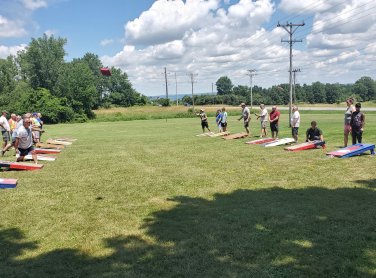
(204, 120)
(273, 120)
(358, 120)
(24, 140)
(263, 116)
(295, 123)
(5, 132)
(224, 119)
(347, 125)
(246, 116)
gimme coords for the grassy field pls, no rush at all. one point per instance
(150, 199)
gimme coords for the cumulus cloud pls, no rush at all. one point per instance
(11, 28)
(5, 51)
(212, 40)
(34, 4)
(106, 42)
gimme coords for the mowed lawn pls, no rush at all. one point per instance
(150, 199)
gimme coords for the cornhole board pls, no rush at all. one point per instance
(260, 141)
(49, 146)
(46, 151)
(20, 165)
(279, 142)
(306, 146)
(55, 142)
(353, 150)
(235, 136)
(204, 134)
(8, 183)
(65, 139)
(39, 157)
(219, 134)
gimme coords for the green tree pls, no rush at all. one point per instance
(332, 92)
(241, 90)
(41, 63)
(77, 85)
(224, 85)
(365, 87)
(8, 75)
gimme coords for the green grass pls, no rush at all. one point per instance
(150, 199)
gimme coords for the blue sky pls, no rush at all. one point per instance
(210, 38)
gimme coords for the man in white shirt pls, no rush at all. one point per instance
(295, 122)
(24, 140)
(5, 132)
(246, 116)
(263, 116)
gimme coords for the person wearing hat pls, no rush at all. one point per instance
(204, 120)
(5, 132)
(357, 123)
(246, 116)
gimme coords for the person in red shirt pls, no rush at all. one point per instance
(273, 120)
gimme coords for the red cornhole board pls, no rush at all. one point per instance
(20, 165)
(235, 136)
(106, 71)
(49, 146)
(353, 150)
(260, 141)
(8, 183)
(306, 146)
(46, 151)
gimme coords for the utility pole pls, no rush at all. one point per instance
(165, 74)
(213, 91)
(290, 28)
(176, 90)
(192, 77)
(295, 71)
(251, 73)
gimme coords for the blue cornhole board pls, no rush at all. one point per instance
(8, 183)
(353, 150)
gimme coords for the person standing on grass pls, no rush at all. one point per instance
(263, 116)
(347, 125)
(273, 120)
(357, 123)
(295, 123)
(224, 119)
(5, 131)
(314, 133)
(24, 140)
(204, 120)
(246, 116)
(218, 119)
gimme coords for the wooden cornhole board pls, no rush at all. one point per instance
(46, 151)
(279, 142)
(55, 142)
(20, 165)
(8, 183)
(49, 146)
(40, 157)
(260, 141)
(64, 139)
(219, 134)
(235, 136)
(204, 134)
(306, 146)
(356, 149)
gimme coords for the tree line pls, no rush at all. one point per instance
(38, 79)
(363, 89)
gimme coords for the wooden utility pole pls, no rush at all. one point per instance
(251, 73)
(295, 71)
(165, 74)
(192, 78)
(290, 28)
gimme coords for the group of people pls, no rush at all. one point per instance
(21, 133)
(354, 122)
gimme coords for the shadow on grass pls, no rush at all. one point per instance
(263, 233)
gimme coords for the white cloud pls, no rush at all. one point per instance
(5, 51)
(211, 40)
(50, 33)
(106, 42)
(34, 4)
(11, 28)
